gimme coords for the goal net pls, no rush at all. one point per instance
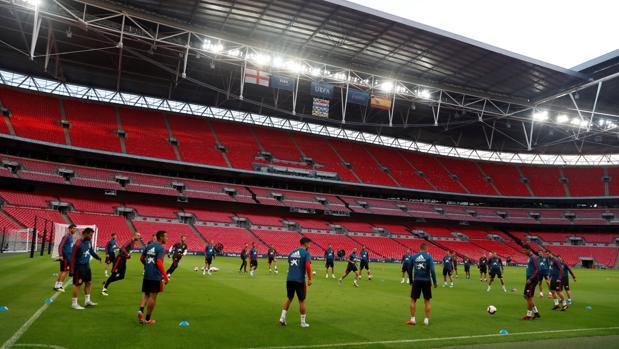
(61, 230)
(17, 240)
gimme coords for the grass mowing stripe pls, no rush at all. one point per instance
(20, 332)
(403, 341)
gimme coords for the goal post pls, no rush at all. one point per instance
(61, 229)
(17, 240)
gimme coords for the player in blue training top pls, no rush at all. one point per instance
(532, 275)
(329, 262)
(110, 252)
(80, 267)
(365, 263)
(448, 268)
(421, 272)
(155, 276)
(253, 259)
(544, 270)
(271, 260)
(120, 263)
(483, 268)
(298, 266)
(352, 266)
(496, 270)
(64, 257)
(209, 254)
(565, 280)
(556, 278)
(467, 267)
(406, 259)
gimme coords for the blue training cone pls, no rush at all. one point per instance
(49, 301)
(184, 324)
(4, 308)
(503, 332)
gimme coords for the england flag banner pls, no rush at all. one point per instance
(257, 77)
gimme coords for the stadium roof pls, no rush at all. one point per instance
(480, 97)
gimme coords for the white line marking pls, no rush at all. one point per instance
(40, 346)
(20, 332)
(434, 339)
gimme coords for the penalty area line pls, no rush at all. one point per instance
(435, 339)
(20, 332)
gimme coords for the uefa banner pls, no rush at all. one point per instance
(321, 89)
(320, 108)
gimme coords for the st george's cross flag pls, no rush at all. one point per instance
(257, 77)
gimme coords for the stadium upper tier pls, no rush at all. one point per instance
(155, 134)
(44, 172)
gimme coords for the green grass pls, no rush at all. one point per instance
(232, 310)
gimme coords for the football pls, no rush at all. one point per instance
(491, 309)
(195, 269)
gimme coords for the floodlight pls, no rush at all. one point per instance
(294, 67)
(262, 59)
(562, 118)
(234, 52)
(424, 94)
(278, 62)
(387, 86)
(315, 71)
(541, 115)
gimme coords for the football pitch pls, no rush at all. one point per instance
(232, 310)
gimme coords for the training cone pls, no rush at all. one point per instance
(184, 324)
(503, 332)
(4, 308)
(49, 301)
(588, 307)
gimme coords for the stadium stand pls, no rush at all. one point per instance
(573, 254)
(363, 165)
(469, 175)
(385, 247)
(17, 198)
(232, 238)
(174, 230)
(434, 172)
(106, 224)
(585, 181)
(400, 169)
(241, 146)
(196, 141)
(92, 125)
(146, 133)
(323, 154)
(544, 181)
(506, 178)
(34, 117)
(337, 240)
(283, 241)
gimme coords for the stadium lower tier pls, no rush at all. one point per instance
(385, 239)
(38, 171)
